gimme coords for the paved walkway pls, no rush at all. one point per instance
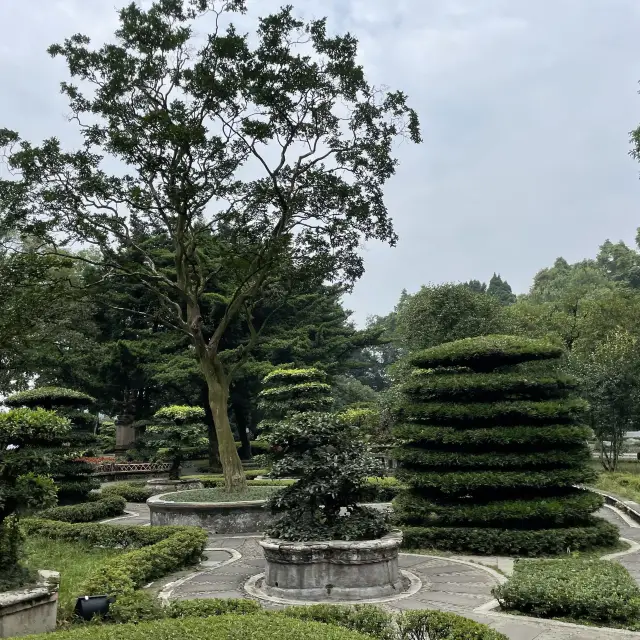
(460, 584)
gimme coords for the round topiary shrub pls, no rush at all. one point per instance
(72, 476)
(491, 449)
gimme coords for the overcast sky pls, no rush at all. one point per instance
(525, 106)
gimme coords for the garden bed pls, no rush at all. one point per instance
(220, 495)
(213, 510)
(73, 560)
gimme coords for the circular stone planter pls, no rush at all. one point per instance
(334, 570)
(248, 516)
(162, 485)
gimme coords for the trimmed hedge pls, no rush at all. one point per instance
(363, 618)
(485, 387)
(527, 436)
(207, 607)
(513, 542)
(131, 492)
(107, 507)
(156, 551)
(416, 458)
(462, 482)
(503, 413)
(486, 353)
(490, 452)
(597, 591)
(56, 396)
(558, 510)
(226, 627)
(441, 625)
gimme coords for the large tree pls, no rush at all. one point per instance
(188, 123)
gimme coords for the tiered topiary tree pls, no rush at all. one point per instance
(288, 390)
(179, 431)
(30, 442)
(72, 476)
(492, 450)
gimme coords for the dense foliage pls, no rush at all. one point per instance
(511, 489)
(332, 464)
(29, 449)
(72, 476)
(597, 591)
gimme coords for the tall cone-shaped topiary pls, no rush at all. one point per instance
(72, 476)
(288, 391)
(491, 449)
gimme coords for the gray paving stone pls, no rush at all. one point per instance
(519, 630)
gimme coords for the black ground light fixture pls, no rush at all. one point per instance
(89, 606)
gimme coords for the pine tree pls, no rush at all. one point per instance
(501, 290)
(492, 449)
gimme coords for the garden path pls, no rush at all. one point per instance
(460, 584)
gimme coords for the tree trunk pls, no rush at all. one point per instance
(218, 386)
(242, 422)
(214, 457)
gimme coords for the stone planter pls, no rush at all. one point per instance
(163, 485)
(32, 609)
(248, 516)
(335, 570)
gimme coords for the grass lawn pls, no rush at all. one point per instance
(220, 495)
(625, 485)
(73, 560)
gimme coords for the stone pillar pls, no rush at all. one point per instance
(125, 431)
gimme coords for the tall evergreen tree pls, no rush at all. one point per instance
(500, 289)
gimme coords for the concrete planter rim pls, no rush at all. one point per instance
(388, 541)
(159, 501)
(46, 584)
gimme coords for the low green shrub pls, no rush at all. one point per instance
(440, 625)
(205, 607)
(516, 542)
(592, 590)
(109, 506)
(364, 618)
(138, 606)
(225, 627)
(159, 551)
(98, 534)
(381, 489)
(131, 492)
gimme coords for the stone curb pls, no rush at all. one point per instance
(618, 503)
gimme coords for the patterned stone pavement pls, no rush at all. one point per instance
(458, 584)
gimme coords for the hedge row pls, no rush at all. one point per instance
(108, 507)
(485, 387)
(167, 549)
(56, 396)
(525, 436)
(502, 413)
(485, 353)
(459, 482)
(574, 507)
(223, 620)
(513, 542)
(130, 491)
(415, 458)
(597, 591)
